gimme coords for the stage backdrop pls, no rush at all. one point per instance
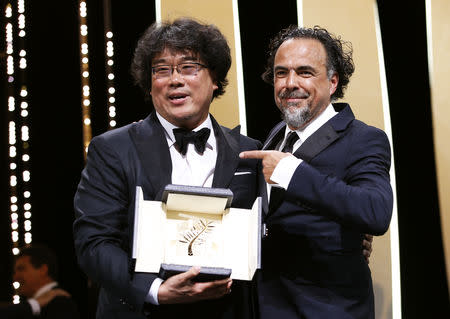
(438, 25)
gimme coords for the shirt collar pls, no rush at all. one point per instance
(168, 128)
(320, 120)
(45, 288)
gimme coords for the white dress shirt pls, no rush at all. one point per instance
(282, 174)
(191, 169)
(35, 307)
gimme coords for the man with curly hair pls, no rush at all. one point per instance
(182, 66)
(329, 177)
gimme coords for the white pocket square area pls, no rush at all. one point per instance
(242, 173)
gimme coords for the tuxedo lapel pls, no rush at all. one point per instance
(275, 136)
(317, 142)
(227, 154)
(326, 134)
(153, 151)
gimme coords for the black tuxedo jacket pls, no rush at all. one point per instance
(313, 265)
(59, 307)
(138, 155)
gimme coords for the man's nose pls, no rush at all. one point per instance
(292, 79)
(176, 77)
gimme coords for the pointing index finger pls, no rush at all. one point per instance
(253, 154)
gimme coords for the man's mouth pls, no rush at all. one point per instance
(177, 97)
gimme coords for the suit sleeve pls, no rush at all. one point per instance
(363, 198)
(101, 228)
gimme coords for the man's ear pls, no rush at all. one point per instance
(334, 80)
(43, 270)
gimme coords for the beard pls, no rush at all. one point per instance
(296, 117)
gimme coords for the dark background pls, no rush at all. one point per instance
(54, 86)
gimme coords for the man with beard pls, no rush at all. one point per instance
(329, 177)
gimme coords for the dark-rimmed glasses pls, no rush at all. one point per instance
(184, 69)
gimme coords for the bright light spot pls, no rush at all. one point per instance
(21, 6)
(109, 34)
(14, 225)
(16, 284)
(15, 251)
(87, 121)
(112, 123)
(110, 62)
(26, 194)
(27, 215)
(27, 225)
(14, 216)
(14, 208)
(12, 151)
(23, 92)
(27, 206)
(8, 11)
(16, 299)
(85, 74)
(24, 105)
(25, 135)
(28, 238)
(12, 166)
(13, 180)
(21, 33)
(83, 9)
(111, 90)
(10, 65)
(26, 176)
(83, 30)
(11, 104)
(111, 99)
(15, 235)
(24, 113)
(86, 102)
(22, 53)
(13, 199)
(111, 76)
(21, 21)
(85, 60)
(84, 48)
(23, 63)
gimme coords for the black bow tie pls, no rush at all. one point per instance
(183, 137)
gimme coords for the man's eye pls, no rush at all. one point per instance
(188, 67)
(280, 74)
(162, 69)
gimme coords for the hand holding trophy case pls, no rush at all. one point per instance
(196, 226)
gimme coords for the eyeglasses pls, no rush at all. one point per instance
(184, 69)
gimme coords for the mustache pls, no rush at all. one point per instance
(293, 95)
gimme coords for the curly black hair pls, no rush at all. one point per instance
(183, 34)
(339, 54)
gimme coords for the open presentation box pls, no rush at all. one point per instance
(195, 226)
